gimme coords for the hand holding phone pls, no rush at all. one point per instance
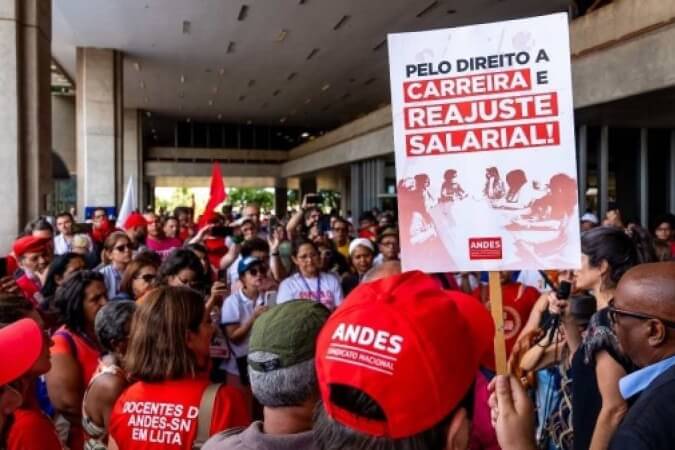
(270, 298)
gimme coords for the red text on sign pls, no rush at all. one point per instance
(465, 86)
(481, 111)
(483, 139)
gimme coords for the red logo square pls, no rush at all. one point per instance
(485, 248)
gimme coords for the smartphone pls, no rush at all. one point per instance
(270, 298)
(313, 199)
(221, 232)
(3, 267)
(83, 228)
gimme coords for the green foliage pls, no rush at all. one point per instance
(239, 197)
(331, 200)
(181, 196)
(292, 198)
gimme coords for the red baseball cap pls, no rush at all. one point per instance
(29, 244)
(134, 220)
(20, 346)
(412, 347)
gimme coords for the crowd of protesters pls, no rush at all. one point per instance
(250, 331)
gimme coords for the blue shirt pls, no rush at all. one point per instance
(113, 280)
(638, 381)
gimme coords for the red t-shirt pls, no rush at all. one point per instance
(30, 289)
(153, 416)
(87, 355)
(516, 310)
(216, 249)
(30, 430)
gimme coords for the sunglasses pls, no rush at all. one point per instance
(121, 248)
(148, 277)
(614, 312)
(255, 271)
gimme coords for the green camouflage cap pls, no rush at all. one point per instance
(289, 331)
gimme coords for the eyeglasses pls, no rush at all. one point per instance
(124, 247)
(148, 277)
(255, 271)
(614, 311)
(388, 243)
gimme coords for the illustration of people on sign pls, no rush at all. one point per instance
(494, 186)
(420, 219)
(550, 216)
(415, 195)
(515, 179)
(451, 190)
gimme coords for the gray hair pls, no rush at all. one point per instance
(112, 323)
(290, 386)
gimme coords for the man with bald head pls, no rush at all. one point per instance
(643, 316)
(384, 270)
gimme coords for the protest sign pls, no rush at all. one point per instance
(485, 153)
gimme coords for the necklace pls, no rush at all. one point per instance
(318, 287)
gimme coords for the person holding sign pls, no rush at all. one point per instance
(641, 313)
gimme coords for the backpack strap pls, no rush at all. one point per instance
(69, 340)
(205, 414)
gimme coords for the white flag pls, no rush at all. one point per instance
(128, 204)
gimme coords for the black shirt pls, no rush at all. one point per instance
(586, 398)
(650, 422)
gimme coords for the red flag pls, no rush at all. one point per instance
(217, 194)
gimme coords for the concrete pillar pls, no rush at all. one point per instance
(644, 177)
(356, 185)
(671, 174)
(582, 172)
(63, 130)
(25, 115)
(367, 182)
(280, 197)
(132, 154)
(307, 186)
(99, 128)
(345, 200)
(603, 172)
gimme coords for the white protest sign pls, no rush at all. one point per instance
(485, 153)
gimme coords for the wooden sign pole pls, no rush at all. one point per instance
(498, 316)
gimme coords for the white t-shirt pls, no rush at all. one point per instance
(298, 287)
(62, 246)
(237, 309)
(534, 279)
